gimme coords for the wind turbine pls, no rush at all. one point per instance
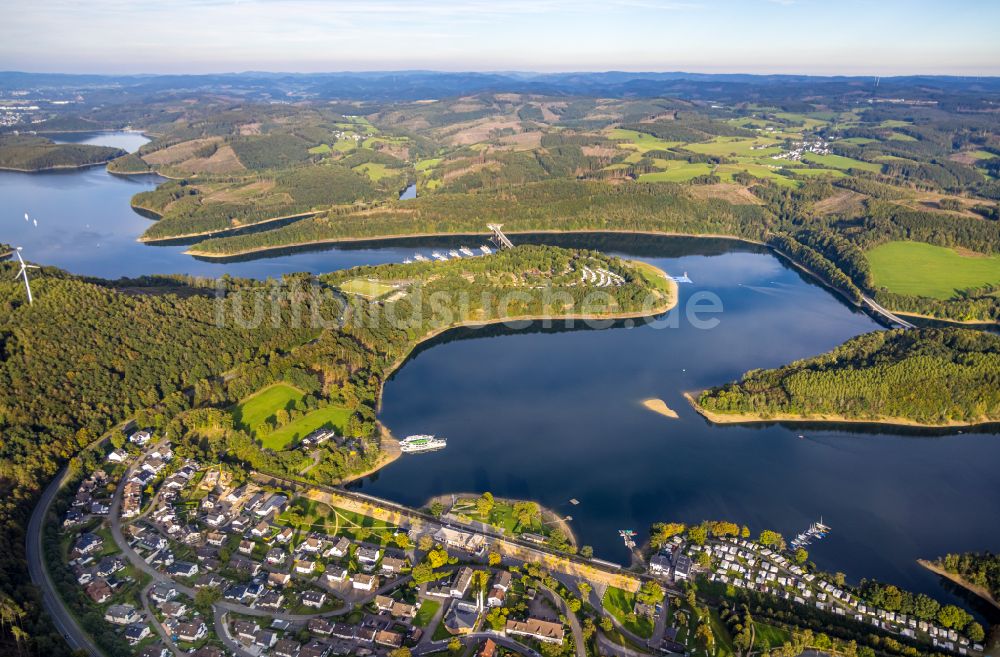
(24, 274)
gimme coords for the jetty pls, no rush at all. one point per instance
(817, 531)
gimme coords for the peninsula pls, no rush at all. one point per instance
(923, 377)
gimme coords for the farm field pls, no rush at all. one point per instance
(679, 172)
(926, 270)
(374, 170)
(641, 141)
(429, 163)
(735, 146)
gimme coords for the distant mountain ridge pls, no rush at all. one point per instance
(419, 84)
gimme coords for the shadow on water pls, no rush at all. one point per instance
(524, 327)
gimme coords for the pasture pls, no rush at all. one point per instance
(926, 270)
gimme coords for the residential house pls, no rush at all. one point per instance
(536, 628)
(314, 599)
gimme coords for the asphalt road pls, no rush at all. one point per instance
(64, 621)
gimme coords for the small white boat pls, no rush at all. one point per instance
(454, 254)
(485, 249)
(420, 258)
(466, 251)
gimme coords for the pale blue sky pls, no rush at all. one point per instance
(885, 37)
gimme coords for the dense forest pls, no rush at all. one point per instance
(926, 376)
(30, 153)
(158, 352)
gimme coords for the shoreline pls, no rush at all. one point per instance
(960, 581)
(668, 304)
(830, 418)
(390, 238)
(219, 231)
(58, 167)
(214, 255)
(548, 515)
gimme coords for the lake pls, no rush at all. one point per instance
(551, 414)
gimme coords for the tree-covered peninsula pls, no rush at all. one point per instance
(32, 153)
(931, 377)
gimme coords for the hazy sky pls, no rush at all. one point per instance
(883, 37)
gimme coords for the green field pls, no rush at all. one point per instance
(374, 170)
(430, 163)
(926, 270)
(860, 141)
(261, 406)
(678, 173)
(620, 603)
(738, 146)
(320, 150)
(768, 637)
(426, 612)
(820, 173)
(841, 162)
(366, 288)
(726, 171)
(331, 417)
(641, 141)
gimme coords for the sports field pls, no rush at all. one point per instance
(366, 288)
(926, 270)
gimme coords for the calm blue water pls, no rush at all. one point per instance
(554, 414)
(129, 141)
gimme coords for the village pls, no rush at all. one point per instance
(186, 558)
(182, 560)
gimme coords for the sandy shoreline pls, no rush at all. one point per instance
(746, 418)
(660, 407)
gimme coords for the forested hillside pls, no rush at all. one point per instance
(561, 205)
(30, 153)
(80, 359)
(925, 376)
(87, 356)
